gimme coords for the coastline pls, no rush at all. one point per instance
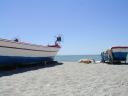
(68, 79)
(75, 58)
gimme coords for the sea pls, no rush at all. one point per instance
(76, 58)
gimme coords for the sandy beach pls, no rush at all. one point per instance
(68, 79)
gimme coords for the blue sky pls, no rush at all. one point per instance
(88, 26)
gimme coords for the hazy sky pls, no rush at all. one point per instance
(88, 26)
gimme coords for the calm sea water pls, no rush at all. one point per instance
(74, 58)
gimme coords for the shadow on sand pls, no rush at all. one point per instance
(7, 71)
(117, 63)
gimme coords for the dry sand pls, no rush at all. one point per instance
(68, 79)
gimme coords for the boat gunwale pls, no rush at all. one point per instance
(11, 41)
(116, 47)
(26, 49)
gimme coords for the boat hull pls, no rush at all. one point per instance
(119, 53)
(122, 56)
(12, 53)
(13, 60)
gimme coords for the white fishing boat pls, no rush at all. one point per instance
(116, 54)
(14, 52)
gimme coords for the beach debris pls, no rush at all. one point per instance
(97, 61)
(87, 61)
